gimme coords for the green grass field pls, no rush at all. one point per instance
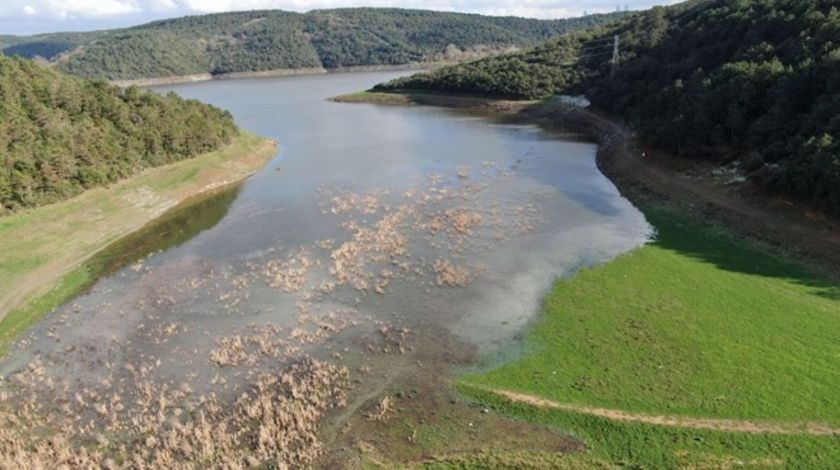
(696, 324)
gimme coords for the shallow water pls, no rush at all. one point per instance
(582, 219)
(375, 230)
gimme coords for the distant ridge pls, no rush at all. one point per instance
(255, 41)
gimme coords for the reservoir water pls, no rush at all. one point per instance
(379, 237)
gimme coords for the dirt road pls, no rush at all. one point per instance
(728, 425)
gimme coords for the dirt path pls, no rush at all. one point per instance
(768, 221)
(729, 425)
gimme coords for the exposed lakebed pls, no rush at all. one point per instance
(380, 237)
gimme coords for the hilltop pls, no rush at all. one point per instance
(272, 39)
(755, 84)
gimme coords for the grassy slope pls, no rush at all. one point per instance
(41, 249)
(695, 324)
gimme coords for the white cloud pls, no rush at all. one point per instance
(163, 5)
(62, 9)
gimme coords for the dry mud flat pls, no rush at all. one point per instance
(232, 364)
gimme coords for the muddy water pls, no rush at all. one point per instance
(379, 237)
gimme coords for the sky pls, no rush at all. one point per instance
(39, 16)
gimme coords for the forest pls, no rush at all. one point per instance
(60, 135)
(273, 39)
(757, 82)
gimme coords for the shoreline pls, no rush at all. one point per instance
(780, 225)
(788, 227)
(45, 249)
(206, 77)
(727, 228)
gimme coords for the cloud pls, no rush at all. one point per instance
(163, 5)
(62, 9)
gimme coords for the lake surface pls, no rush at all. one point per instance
(377, 235)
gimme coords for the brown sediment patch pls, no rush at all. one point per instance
(728, 425)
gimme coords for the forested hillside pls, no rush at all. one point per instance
(757, 81)
(267, 40)
(45, 46)
(60, 135)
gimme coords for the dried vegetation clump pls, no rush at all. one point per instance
(340, 203)
(289, 275)
(273, 423)
(380, 243)
(386, 231)
(231, 351)
(141, 396)
(464, 221)
(448, 274)
(383, 410)
(395, 339)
